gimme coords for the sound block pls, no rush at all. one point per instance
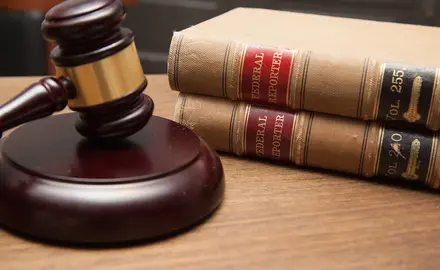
(58, 186)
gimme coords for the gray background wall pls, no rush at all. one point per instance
(153, 21)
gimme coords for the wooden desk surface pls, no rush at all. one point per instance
(273, 217)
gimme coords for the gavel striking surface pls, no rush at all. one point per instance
(58, 186)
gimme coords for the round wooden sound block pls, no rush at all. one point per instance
(56, 185)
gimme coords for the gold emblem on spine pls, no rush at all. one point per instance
(396, 148)
(410, 173)
(412, 114)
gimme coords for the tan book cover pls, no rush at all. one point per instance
(349, 67)
(312, 139)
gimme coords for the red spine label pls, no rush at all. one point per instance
(268, 133)
(265, 75)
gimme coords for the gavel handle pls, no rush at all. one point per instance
(38, 100)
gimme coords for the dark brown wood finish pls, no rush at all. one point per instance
(86, 31)
(116, 119)
(40, 99)
(60, 187)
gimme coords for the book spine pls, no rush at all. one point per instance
(361, 88)
(348, 145)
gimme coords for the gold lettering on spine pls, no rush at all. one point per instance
(256, 75)
(274, 75)
(412, 114)
(262, 121)
(277, 136)
(410, 173)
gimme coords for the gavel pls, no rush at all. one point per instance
(98, 74)
(150, 178)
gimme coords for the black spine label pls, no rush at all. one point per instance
(406, 93)
(405, 155)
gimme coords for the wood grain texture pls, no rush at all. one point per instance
(273, 217)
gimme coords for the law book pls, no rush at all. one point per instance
(355, 68)
(311, 139)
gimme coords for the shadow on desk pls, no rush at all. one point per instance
(381, 181)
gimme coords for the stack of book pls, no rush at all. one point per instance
(354, 96)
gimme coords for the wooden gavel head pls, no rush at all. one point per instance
(98, 73)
